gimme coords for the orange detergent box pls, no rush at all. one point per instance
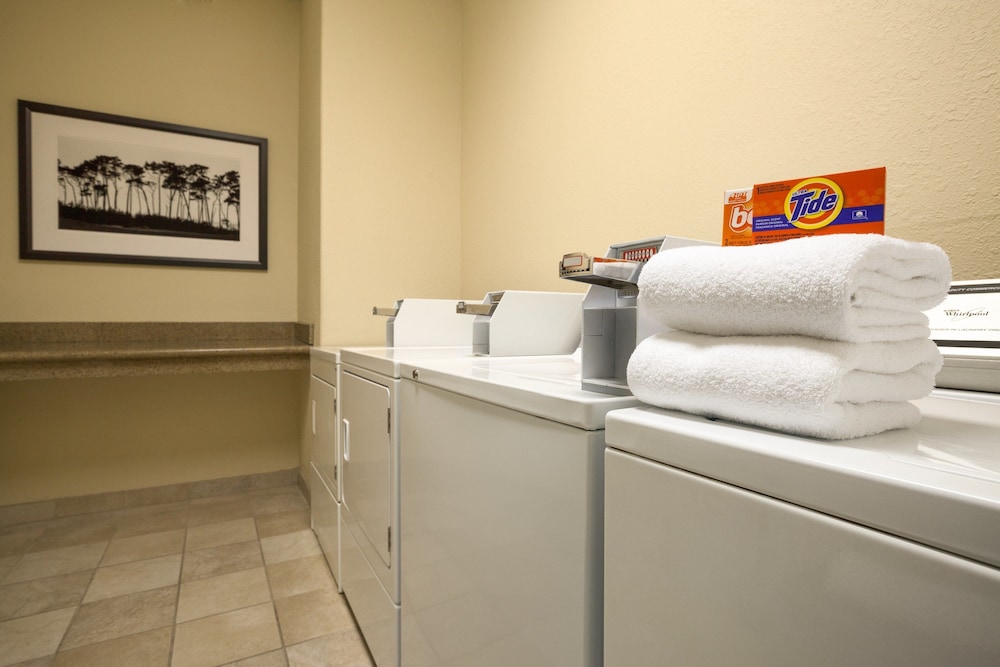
(849, 203)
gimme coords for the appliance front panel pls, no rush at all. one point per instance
(373, 608)
(366, 440)
(698, 572)
(326, 522)
(325, 429)
(501, 535)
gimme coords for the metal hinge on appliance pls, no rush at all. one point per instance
(388, 420)
(388, 538)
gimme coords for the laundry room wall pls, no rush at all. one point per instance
(216, 65)
(588, 123)
(387, 220)
(229, 66)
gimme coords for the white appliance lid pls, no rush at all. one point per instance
(331, 354)
(387, 360)
(937, 483)
(543, 386)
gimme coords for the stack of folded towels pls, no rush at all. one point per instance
(822, 336)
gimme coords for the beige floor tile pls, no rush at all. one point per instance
(74, 530)
(219, 510)
(17, 540)
(291, 546)
(220, 488)
(118, 571)
(40, 595)
(39, 564)
(158, 496)
(7, 564)
(180, 505)
(299, 576)
(280, 523)
(141, 547)
(275, 480)
(32, 637)
(220, 500)
(217, 534)
(16, 515)
(228, 637)
(208, 597)
(345, 649)
(313, 614)
(221, 560)
(148, 649)
(46, 661)
(98, 502)
(270, 659)
(121, 616)
(142, 575)
(142, 523)
(12, 515)
(285, 499)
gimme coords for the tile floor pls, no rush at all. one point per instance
(227, 580)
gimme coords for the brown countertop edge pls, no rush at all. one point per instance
(30, 351)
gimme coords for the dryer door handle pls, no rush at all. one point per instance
(347, 440)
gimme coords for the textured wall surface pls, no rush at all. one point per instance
(219, 66)
(588, 123)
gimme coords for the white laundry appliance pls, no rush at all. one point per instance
(502, 478)
(517, 323)
(410, 322)
(966, 327)
(324, 453)
(501, 512)
(370, 432)
(727, 544)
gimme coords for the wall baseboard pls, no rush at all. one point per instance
(121, 500)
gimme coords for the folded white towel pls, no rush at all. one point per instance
(852, 287)
(807, 386)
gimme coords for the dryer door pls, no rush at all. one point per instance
(324, 428)
(367, 468)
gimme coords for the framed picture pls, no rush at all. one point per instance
(96, 187)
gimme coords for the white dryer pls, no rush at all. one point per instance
(501, 512)
(727, 544)
(324, 453)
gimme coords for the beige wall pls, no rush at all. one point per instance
(310, 164)
(230, 66)
(587, 123)
(310, 184)
(73, 437)
(221, 66)
(390, 142)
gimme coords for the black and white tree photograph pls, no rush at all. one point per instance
(134, 190)
(107, 188)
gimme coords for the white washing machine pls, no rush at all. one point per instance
(324, 451)
(370, 428)
(369, 436)
(501, 513)
(727, 544)
(410, 322)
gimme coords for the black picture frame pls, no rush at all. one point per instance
(99, 187)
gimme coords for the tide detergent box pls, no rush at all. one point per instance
(852, 202)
